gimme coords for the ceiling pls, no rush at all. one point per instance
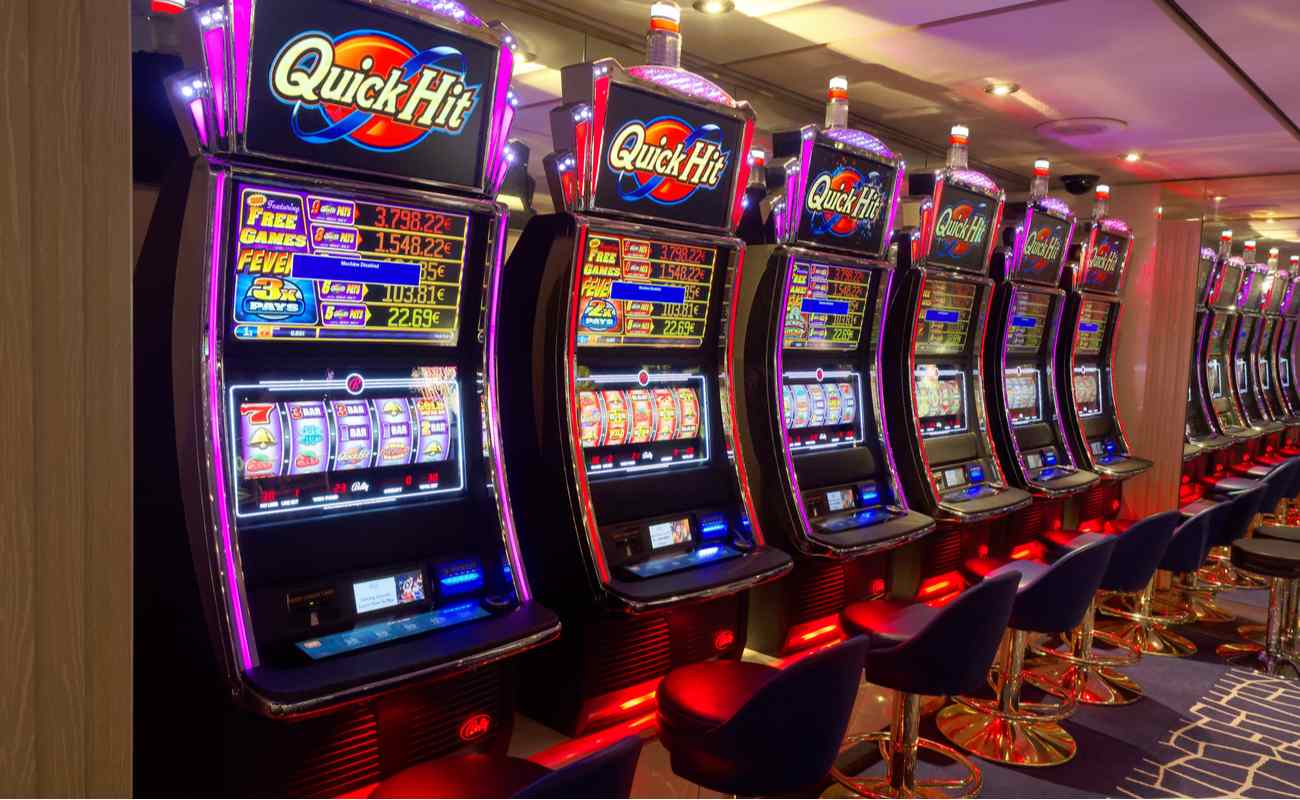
(1204, 90)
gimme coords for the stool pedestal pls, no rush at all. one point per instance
(1276, 654)
(1136, 626)
(1076, 670)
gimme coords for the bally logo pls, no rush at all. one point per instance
(962, 225)
(844, 199)
(475, 727)
(666, 159)
(373, 90)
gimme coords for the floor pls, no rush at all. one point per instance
(1204, 729)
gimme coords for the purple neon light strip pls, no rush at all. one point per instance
(241, 28)
(882, 423)
(214, 419)
(494, 419)
(214, 52)
(893, 210)
(683, 81)
(200, 118)
(1056, 206)
(859, 139)
(503, 115)
(976, 179)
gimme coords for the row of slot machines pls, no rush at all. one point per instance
(1243, 405)
(424, 485)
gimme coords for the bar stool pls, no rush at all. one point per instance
(1255, 633)
(1219, 575)
(1196, 588)
(607, 773)
(1049, 599)
(916, 649)
(1074, 669)
(1133, 624)
(742, 728)
(1279, 562)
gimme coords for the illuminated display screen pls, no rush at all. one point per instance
(1244, 329)
(822, 411)
(1218, 331)
(1284, 372)
(1093, 317)
(1033, 460)
(377, 594)
(1024, 403)
(1214, 377)
(626, 425)
(1243, 379)
(670, 534)
(1028, 321)
(644, 292)
(1263, 374)
(840, 499)
(1087, 391)
(945, 316)
(940, 400)
(1105, 261)
(826, 307)
(317, 267)
(304, 445)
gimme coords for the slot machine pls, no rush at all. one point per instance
(934, 367)
(808, 348)
(1283, 355)
(1263, 355)
(1086, 356)
(620, 398)
(1028, 428)
(347, 504)
(1247, 384)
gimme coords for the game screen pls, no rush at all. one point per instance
(644, 292)
(1028, 321)
(1284, 372)
(826, 307)
(670, 534)
(304, 445)
(1218, 335)
(1243, 378)
(822, 409)
(327, 266)
(1044, 249)
(945, 316)
(1214, 377)
(940, 400)
(1105, 262)
(1229, 285)
(1087, 391)
(628, 425)
(1024, 404)
(963, 225)
(1262, 365)
(1093, 317)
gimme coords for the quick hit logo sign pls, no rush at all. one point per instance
(666, 159)
(373, 90)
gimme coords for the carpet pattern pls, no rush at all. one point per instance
(1242, 739)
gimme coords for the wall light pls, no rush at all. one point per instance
(713, 6)
(1002, 89)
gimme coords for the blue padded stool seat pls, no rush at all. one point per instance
(607, 773)
(750, 729)
(917, 649)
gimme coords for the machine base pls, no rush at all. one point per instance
(1007, 741)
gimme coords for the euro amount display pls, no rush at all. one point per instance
(1092, 327)
(943, 324)
(1028, 319)
(330, 267)
(826, 307)
(643, 292)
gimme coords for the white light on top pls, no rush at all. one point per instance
(668, 11)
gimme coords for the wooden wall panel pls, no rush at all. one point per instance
(1155, 339)
(18, 712)
(65, 322)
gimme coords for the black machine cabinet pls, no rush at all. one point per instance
(1282, 354)
(616, 348)
(1216, 377)
(934, 365)
(1024, 403)
(1086, 352)
(336, 418)
(808, 346)
(1253, 326)
(1202, 432)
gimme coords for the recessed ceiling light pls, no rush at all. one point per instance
(1131, 157)
(1218, 198)
(713, 6)
(1002, 89)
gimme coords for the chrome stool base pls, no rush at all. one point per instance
(1149, 639)
(1201, 603)
(1006, 741)
(1094, 686)
(898, 748)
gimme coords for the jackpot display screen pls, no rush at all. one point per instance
(826, 306)
(1087, 391)
(635, 291)
(944, 317)
(642, 422)
(1028, 321)
(1093, 318)
(1024, 397)
(940, 400)
(304, 445)
(822, 409)
(326, 266)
